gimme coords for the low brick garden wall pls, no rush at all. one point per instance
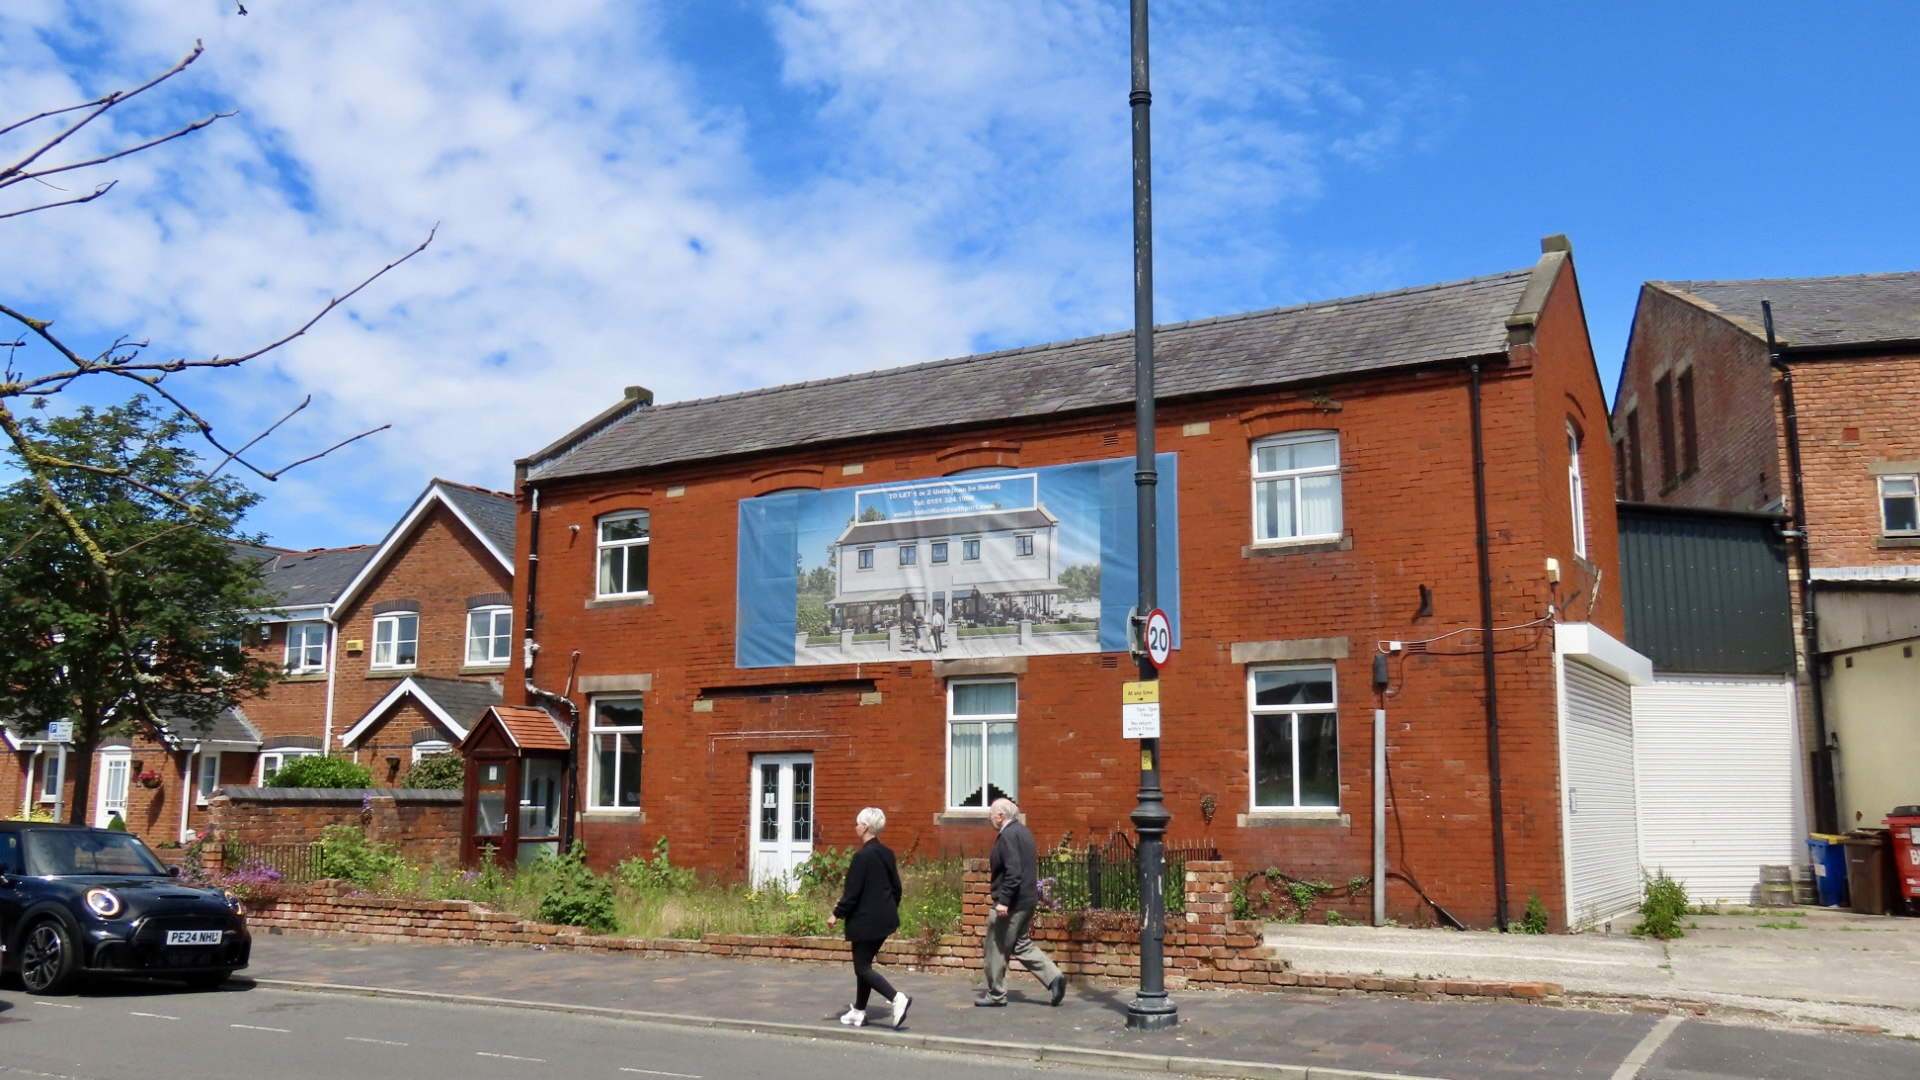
(422, 825)
(1205, 948)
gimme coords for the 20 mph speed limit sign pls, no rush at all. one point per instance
(1159, 638)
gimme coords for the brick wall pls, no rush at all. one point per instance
(423, 826)
(1207, 948)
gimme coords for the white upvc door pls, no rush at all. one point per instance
(780, 820)
(116, 768)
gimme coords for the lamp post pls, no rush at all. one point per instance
(1151, 1010)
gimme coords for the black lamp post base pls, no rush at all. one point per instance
(1152, 1013)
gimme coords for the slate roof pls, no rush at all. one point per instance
(465, 701)
(1282, 346)
(231, 726)
(1815, 313)
(306, 578)
(490, 511)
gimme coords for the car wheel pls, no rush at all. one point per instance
(207, 980)
(48, 962)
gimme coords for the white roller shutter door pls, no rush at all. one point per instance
(1603, 849)
(1716, 760)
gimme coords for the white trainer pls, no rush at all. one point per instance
(854, 1017)
(901, 1003)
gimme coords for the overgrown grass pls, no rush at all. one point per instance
(653, 898)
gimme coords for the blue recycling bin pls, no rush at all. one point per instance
(1829, 855)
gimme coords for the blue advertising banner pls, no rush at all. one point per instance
(1023, 562)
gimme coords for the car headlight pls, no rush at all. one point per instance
(104, 903)
(233, 902)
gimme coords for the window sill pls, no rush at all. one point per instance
(636, 817)
(1884, 542)
(1296, 547)
(391, 672)
(484, 669)
(966, 817)
(1281, 819)
(304, 676)
(642, 600)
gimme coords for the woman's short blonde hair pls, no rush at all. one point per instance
(873, 819)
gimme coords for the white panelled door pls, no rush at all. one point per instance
(116, 767)
(1717, 761)
(781, 817)
(1603, 848)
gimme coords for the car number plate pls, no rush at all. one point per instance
(193, 937)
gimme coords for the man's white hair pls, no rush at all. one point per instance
(1006, 808)
(873, 819)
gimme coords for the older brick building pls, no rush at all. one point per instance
(1705, 416)
(391, 652)
(742, 693)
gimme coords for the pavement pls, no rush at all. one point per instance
(1627, 1002)
(1772, 966)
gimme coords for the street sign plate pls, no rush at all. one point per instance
(1159, 638)
(60, 731)
(1140, 721)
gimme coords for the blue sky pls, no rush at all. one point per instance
(707, 197)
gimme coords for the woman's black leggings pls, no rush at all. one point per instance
(866, 979)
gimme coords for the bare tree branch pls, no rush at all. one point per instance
(15, 173)
(97, 192)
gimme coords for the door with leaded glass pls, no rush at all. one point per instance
(781, 824)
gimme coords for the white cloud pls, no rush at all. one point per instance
(601, 225)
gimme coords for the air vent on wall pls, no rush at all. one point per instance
(1110, 662)
(1111, 438)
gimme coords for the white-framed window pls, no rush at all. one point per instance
(863, 559)
(306, 647)
(624, 539)
(489, 635)
(938, 551)
(1296, 487)
(50, 775)
(396, 640)
(431, 748)
(909, 554)
(1900, 504)
(970, 550)
(1576, 493)
(1293, 738)
(1023, 546)
(614, 732)
(272, 761)
(983, 746)
(207, 778)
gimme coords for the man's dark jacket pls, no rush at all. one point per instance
(1016, 869)
(870, 904)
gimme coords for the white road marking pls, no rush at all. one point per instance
(154, 1016)
(56, 1005)
(657, 1072)
(250, 1027)
(1631, 1067)
(380, 1042)
(508, 1057)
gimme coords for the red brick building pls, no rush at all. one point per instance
(1706, 416)
(1319, 511)
(391, 652)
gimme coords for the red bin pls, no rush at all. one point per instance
(1904, 825)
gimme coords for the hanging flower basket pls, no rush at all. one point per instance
(149, 779)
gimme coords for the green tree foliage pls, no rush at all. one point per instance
(447, 772)
(1081, 581)
(321, 772)
(150, 640)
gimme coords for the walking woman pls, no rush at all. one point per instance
(870, 904)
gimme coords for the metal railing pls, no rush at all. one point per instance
(293, 862)
(1106, 876)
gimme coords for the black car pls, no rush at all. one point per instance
(76, 901)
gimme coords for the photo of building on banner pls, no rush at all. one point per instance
(999, 564)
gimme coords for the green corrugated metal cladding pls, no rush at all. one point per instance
(1706, 590)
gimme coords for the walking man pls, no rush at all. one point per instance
(939, 630)
(1015, 892)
